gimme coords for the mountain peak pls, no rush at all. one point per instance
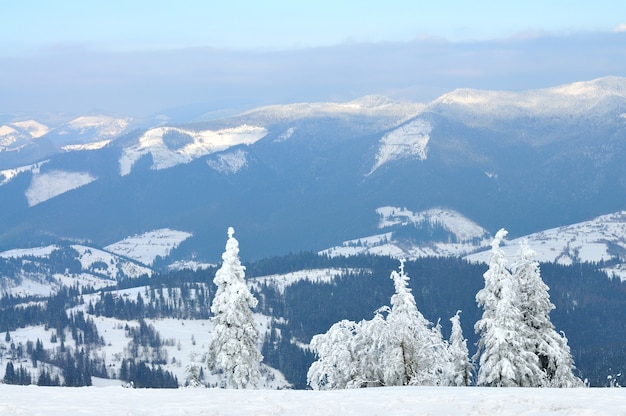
(575, 99)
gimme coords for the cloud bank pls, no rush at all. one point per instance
(78, 80)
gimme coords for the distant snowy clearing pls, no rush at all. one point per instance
(53, 401)
(48, 185)
(145, 248)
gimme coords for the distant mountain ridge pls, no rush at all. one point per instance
(310, 176)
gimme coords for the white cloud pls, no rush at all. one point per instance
(620, 28)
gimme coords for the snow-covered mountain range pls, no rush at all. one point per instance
(310, 176)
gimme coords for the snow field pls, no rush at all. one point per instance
(397, 401)
(409, 140)
(146, 247)
(282, 281)
(204, 143)
(45, 186)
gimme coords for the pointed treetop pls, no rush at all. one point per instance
(526, 253)
(456, 315)
(231, 231)
(500, 235)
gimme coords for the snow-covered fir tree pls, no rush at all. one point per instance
(234, 348)
(550, 347)
(461, 368)
(401, 349)
(504, 357)
(518, 344)
(418, 355)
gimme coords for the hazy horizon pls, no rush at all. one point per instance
(142, 58)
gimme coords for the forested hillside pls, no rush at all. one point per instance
(71, 331)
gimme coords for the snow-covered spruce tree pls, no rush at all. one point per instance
(550, 347)
(234, 348)
(461, 368)
(505, 360)
(418, 353)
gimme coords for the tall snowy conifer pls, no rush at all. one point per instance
(550, 347)
(504, 357)
(418, 356)
(234, 348)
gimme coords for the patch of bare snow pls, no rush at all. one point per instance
(110, 265)
(87, 146)
(204, 142)
(107, 126)
(45, 186)
(34, 128)
(590, 241)
(477, 401)
(231, 162)
(190, 265)
(7, 175)
(407, 141)
(282, 281)
(286, 135)
(32, 252)
(469, 236)
(452, 221)
(146, 247)
(8, 136)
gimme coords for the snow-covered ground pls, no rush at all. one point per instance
(8, 174)
(202, 143)
(601, 239)
(483, 107)
(282, 281)
(115, 400)
(408, 140)
(469, 235)
(146, 247)
(45, 186)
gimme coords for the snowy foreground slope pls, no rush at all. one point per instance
(53, 401)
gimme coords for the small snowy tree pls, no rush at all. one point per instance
(234, 348)
(550, 347)
(350, 355)
(403, 348)
(461, 368)
(337, 365)
(192, 373)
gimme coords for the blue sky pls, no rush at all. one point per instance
(278, 24)
(141, 56)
